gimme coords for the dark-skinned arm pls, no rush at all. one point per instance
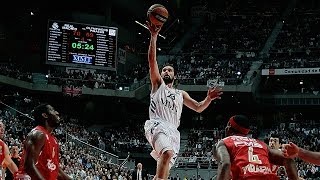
(33, 146)
(221, 154)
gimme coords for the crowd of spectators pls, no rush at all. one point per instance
(197, 151)
(296, 46)
(92, 165)
(199, 146)
(271, 7)
(223, 48)
(80, 162)
(15, 71)
(297, 84)
(227, 43)
(95, 79)
(196, 69)
(230, 35)
(300, 31)
(79, 77)
(236, 27)
(114, 140)
(282, 61)
(305, 135)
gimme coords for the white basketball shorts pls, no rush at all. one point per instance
(162, 136)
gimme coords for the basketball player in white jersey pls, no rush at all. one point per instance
(275, 143)
(165, 110)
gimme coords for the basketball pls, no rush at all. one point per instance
(158, 14)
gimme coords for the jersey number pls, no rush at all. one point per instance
(253, 158)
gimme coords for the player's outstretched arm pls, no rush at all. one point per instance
(221, 154)
(153, 65)
(291, 150)
(212, 94)
(276, 157)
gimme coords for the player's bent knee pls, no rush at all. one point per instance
(168, 154)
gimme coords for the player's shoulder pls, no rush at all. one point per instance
(183, 92)
(227, 141)
(262, 143)
(2, 144)
(180, 91)
(233, 137)
(36, 133)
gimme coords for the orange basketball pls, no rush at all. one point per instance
(157, 14)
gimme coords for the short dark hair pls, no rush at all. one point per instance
(276, 136)
(169, 64)
(38, 111)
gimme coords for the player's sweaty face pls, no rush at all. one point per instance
(167, 74)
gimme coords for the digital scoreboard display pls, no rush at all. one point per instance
(75, 44)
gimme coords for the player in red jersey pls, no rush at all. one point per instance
(40, 159)
(5, 158)
(247, 158)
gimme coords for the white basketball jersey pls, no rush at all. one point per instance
(166, 104)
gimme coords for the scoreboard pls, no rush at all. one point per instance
(81, 45)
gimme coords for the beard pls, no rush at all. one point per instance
(54, 122)
(167, 79)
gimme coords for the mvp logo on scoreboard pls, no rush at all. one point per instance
(81, 59)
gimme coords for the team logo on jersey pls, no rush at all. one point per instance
(171, 96)
(50, 165)
(169, 102)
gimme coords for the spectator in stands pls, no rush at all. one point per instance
(291, 150)
(247, 158)
(40, 159)
(139, 173)
(15, 158)
(5, 158)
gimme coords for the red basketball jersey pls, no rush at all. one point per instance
(1, 151)
(274, 169)
(249, 158)
(2, 155)
(48, 160)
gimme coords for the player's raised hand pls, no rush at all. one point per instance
(154, 30)
(290, 150)
(215, 93)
